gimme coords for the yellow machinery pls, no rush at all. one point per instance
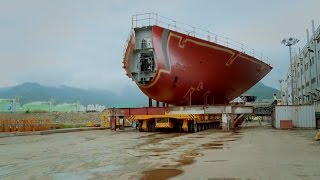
(179, 122)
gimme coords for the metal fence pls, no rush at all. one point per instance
(11, 123)
(150, 19)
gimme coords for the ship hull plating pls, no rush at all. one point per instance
(192, 71)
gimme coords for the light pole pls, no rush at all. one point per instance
(280, 91)
(289, 42)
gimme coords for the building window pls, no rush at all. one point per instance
(307, 84)
(313, 80)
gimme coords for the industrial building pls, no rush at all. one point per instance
(13, 105)
(304, 74)
(10, 105)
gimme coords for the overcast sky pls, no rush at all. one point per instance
(80, 43)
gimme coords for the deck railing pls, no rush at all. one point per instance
(150, 19)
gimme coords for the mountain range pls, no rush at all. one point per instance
(132, 96)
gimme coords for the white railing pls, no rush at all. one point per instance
(150, 19)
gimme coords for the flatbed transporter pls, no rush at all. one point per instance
(180, 118)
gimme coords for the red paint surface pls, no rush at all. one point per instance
(286, 124)
(207, 68)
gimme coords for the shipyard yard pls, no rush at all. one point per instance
(254, 152)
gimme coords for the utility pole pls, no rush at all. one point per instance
(289, 42)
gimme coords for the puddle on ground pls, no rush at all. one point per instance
(178, 144)
(218, 141)
(196, 137)
(212, 146)
(161, 174)
(153, 140)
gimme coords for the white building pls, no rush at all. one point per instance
(305, 73)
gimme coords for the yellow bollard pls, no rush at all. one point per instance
(185, 125)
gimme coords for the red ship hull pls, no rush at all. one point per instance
(192, 71)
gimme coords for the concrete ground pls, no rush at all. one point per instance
(254, 152)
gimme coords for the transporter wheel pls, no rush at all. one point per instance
(180, 124)
(140, 126)
(195, 127)
(151, 126)
(190, 127)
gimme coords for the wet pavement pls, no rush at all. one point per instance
(254, 152)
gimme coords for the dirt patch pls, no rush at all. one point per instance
(235, 135)
(191, 154)
(237, 132)
(230, 139)
(212, 144)
(148, 136)
(178, 144)
(214, 147)
(151, 141)
(161, 174)
(184, 162)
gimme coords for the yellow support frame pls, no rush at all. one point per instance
(174, 116)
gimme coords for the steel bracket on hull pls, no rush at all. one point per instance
(205, 98)
(232, 58)
(189, 95)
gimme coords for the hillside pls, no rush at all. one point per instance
(262, 91)
(132, 96)
(29, 92)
